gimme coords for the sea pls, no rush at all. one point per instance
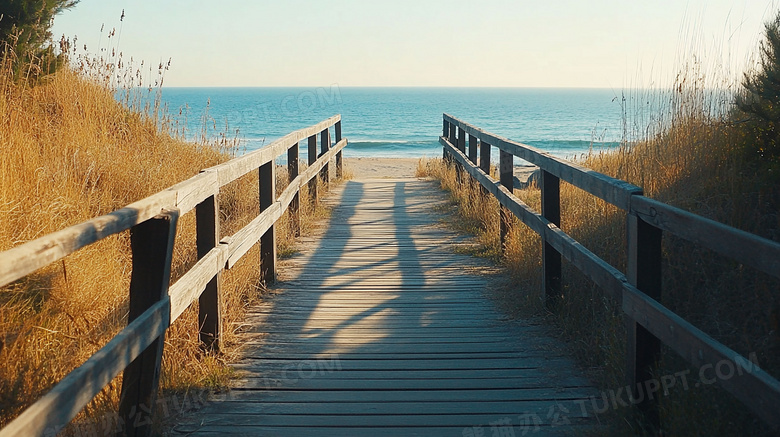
(403, 122)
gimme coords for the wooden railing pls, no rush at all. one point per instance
(649, 324)
(137, 349)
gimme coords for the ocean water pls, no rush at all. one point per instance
(404, 122)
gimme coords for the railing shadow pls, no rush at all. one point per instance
(383, 284)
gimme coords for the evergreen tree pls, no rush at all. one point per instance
(25, 29)
(759, 100)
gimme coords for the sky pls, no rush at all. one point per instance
(489, 43)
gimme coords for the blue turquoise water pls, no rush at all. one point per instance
(406, 122)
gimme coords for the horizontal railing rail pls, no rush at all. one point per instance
(639, 290)
(154, 306)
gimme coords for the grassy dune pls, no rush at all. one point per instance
(691, 156)
(70, 152)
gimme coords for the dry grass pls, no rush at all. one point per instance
(689, 156)
(70, 152)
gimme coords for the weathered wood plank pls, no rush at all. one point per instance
(758, 390)
(243, 240)
(475, 396)
(743, 247)
(243, 421)
(240, 166)
(403, 408)
(407, 431)
(614, 191)
(190, 286)
(22, 260)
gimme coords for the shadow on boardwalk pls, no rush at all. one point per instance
(381, 330)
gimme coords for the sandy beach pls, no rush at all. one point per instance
(379, 168)
(383, 168)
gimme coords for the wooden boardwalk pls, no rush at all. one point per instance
(381, 329)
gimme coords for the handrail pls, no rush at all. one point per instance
(639, 291)
(154, 306)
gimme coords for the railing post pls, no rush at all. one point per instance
(484, 157)
(484, 162)
(313, 192)
(209, 302)
(453, 138)
(551, 258)
(445, 133)
(473, 149)
(293, 168)
(643, 349)
(151, 243)
(339, 164)
(461, 140)
(461, 145)
(325, 146)
(268, 240)
(505, 166)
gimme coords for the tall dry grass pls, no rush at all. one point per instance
(70, 152)
(689, 154)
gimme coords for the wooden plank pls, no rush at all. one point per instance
(210, 299)
(240, 166)
(22, 260)
(528, 381)
(743, 247)
(611, 190)
(407, 431)
(403, 408)
(474, 396)
(755, 388)
(190, 286)
(243, 240)
(59, 405)
(152, 247)
(247, 423)
(194, 190)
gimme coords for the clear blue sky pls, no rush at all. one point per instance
(509, 43)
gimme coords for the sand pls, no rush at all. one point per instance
(381, 168)
(387, 168)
